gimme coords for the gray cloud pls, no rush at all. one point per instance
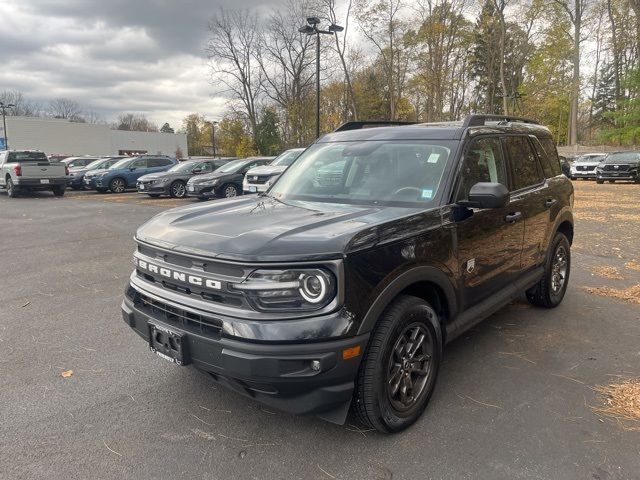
(112, 56)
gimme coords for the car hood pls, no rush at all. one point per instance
(93, 173)
(587, 163)
(266, 170)
(205, 177)
(622, 162)
(78, 170)
(265, 229)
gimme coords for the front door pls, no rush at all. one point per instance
(489, 241)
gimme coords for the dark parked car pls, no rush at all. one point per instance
(125, 173)
(259, 179)
(619, 166)
(226, 181)
(76, 174)
(317, 297)
(565, 166)
(173, 182)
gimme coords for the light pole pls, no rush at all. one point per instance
(3, 107)
(213, 136)
(312, 29)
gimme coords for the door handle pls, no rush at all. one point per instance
(550, 202)
(513, 217)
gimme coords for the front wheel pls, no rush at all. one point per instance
(398, 372)
(58, 191)
(599, 182)
(229, 191)
(612, 181)
(178, 189)
(550, 290)
(117, 185)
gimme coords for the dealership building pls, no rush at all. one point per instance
(62, 137)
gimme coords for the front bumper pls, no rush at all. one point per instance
(255, 187)
(153, 188)
(613, 175)
(277, 374)
(76, 181)
(583, 173)
(201, 191)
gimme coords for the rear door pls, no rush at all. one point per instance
(529, 194)
(489, 243)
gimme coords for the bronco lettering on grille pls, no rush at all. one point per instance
(179, 276)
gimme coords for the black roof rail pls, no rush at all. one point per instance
(370, 123)
(480, 119)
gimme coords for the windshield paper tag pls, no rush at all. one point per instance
(427, 193)
(433, 158)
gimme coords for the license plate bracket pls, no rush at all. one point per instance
(44, 180)
(170, 345)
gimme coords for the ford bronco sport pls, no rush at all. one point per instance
(339, 287)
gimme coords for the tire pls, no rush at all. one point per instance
(101, 190)
(612, 181)
(388, 357)
(12, 191)
(229, 190)
(547, 293)
(117, 185)
(599, 182)
(76, 187)
(178, 189)
(154, 195)
(58, 191)
(573, 178)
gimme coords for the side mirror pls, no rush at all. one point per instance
(487, 195)
(131, 169)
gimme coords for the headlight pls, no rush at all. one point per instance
(288, 290)
(209, 182)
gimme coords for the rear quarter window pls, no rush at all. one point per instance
(550, 149)
(524, 164)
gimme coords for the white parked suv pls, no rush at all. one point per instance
(585, 165)
(259, 179)
(28, 170)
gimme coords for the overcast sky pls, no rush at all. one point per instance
(113, 55)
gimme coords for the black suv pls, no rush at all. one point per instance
(619, 166)
(340, 286)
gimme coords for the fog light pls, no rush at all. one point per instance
(315, 365)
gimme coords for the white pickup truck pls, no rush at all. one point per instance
(26, 170)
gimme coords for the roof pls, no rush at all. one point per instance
(472, 125)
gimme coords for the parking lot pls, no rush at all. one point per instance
(515, 395)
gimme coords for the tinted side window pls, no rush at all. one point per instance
(140, 163)
(206, 167)
(552, 153)
(155, 162)
(544, 159)
(483, 162)
(524, 165)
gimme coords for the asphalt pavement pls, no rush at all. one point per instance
(514, 398)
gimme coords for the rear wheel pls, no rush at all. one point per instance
(550, 290)
(58, 190)
(612, 181)
(178, 189)
(599, 182)
(398, 372)
(12, 191)
(117, 185)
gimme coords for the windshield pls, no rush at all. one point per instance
(182, 167)
(122, 163)
(285, 159)
(372, 172)
(623, 157)
(26, 157)
(97, 164)
(231, 167)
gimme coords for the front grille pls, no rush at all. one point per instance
(585, 168)
(258, 179)
(174, 315)
(616, 168)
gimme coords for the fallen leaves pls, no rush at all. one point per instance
(607, 271)
(630, 294)
(66, 373)
(622, 400)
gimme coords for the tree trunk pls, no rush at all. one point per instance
(575, 84)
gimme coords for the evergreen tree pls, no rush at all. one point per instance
(268, 139)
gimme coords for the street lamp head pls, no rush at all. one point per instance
(307, 29)
(313, 21)
(335, 28)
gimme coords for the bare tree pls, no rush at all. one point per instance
(23, 107)
(341, 47)
(233, 40)
(135, 122)
(65, 108)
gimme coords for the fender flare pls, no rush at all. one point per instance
(404, 280)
